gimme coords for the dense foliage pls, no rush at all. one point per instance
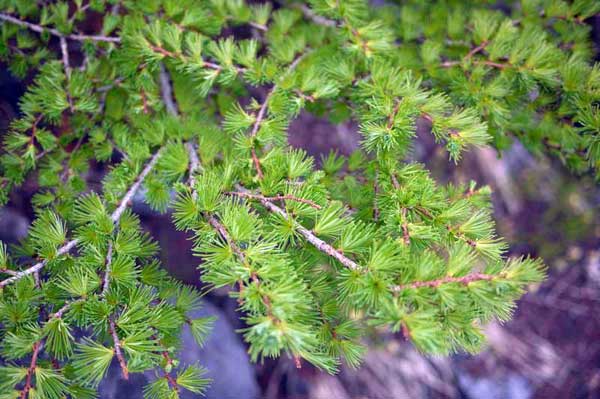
(187, 102)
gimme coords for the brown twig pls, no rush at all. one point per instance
(55, 32)
(117, 349)
(375, 194)
(476, 49)
(465, 280)
(31, 370)
(317, 19)
(168, 375)
(59, 314)
(392, 116)
(287, 197)
(106, 282)
(262, 112)
(309, 236)
(167, 92)
(405, 233)
(450, 64)
(259, 118)
(115, 216)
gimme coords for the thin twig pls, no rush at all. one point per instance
(310, 237)
(55, 32)
(450, 64)
(64, 49)
(116, 215)
(476, 49)
(40, 265)
(117, 349)
(465, 280)
(405, 233)
(262, 111)
(225, 235)
(168, 375)
(167, 92)
(106, 282)
(392, 116)
(31, 370)
(255, 127)
(258, 26)
(59, 314)
(375, 194)
(317, 19)
(275, 198)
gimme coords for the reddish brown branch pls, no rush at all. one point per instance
(395, 181)
(168, 375)
(450, 64)
(405, 331)
(476, 49)
(262, 113)
(145, 108)
(259, 118)
(276, 198)
(117, 349)
(392, 116)
(310, 237)
(55, 32)
(109, 256)
(405, 233)
(164, 51)
(465, 280)
(375, 194)
(256, 162)
(31, 370)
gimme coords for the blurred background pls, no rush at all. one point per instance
(550, 349)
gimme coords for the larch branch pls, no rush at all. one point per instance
(465, 280)
(117, 349)
(310, 237)
(55, 32)
(115, 216)
(286, 197)
(31, 370)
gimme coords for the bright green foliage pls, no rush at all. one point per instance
(189, 102)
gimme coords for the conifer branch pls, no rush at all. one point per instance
(172, 382)
(498, 65)
(309, 236)
(60, 312)
(40, 265)
(126, 201)
(317, 19)
(115, 216)
(465, 280)
(262, 112)
(476, 49)
(106, 282)
(37, 346)
(64, 49)
(256, 237)
(117, 348)
(255, 127)
(405, 233)
(167, 92)
(275, 198)
(55, 32)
